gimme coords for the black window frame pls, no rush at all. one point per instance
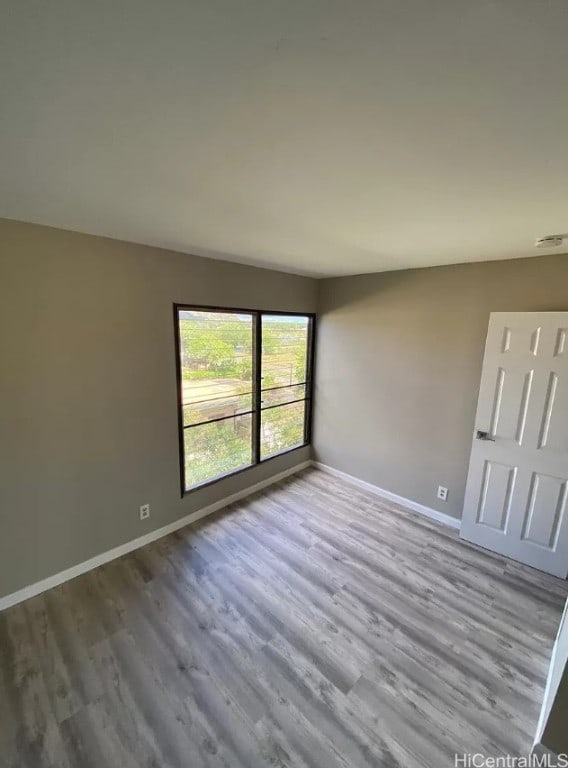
(256, 384)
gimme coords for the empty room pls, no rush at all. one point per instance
(283, 384)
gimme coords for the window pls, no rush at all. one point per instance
(244, 386)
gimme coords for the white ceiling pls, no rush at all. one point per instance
(323, 137)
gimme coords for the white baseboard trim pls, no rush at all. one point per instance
(105, 557)
(440, 517)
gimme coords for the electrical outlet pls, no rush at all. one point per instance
(442, 493)
(144, 511)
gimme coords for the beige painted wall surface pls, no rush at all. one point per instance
(399, 362)
(88, 418)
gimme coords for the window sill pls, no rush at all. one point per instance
(240, 471)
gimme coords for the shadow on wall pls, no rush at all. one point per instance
(455, 284)
(554, 716)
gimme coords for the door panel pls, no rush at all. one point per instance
(553, 433)
(545, 510)
(511, 402)
(516, 494)
(495, 498)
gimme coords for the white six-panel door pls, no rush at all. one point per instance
(516, 494)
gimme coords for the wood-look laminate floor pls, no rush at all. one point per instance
(310, 625)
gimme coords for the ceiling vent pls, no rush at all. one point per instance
(550, 241)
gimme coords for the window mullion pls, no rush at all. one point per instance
(257, 385)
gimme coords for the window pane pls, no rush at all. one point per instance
(216, 364)
(282, 395)
(216, 370)
(217, 448)
(215, 404)
(281, 428)
(284, 350)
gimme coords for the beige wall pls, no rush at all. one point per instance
(398, 365)
(88, 415)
